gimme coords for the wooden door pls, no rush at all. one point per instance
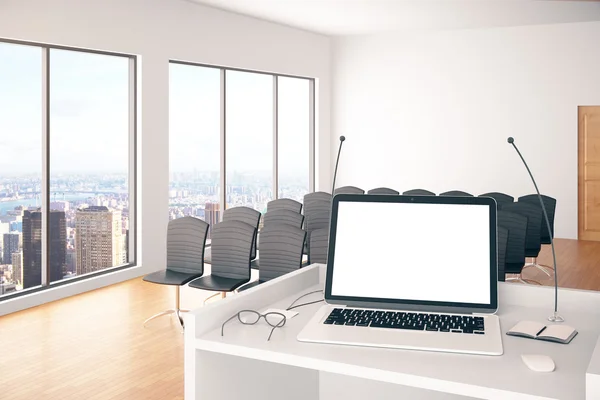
(589, 173)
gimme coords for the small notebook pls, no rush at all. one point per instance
(552, 333)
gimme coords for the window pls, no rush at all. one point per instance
(249, 139)
(20, 163)
(293, 139)
(237, 138)
(71, 208)
(194, 142)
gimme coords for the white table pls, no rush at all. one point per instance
(243, 365)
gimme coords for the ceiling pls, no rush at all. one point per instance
(352, 17)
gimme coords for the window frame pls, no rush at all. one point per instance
(275, 156)
(45, 181)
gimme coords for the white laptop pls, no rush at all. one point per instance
(411, 272)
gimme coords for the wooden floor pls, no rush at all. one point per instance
(578, 265)
(93, 346)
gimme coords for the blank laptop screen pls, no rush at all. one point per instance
(413, 251)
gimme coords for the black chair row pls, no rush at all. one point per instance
(233, 247)
(521, 227)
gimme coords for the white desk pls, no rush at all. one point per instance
(243, 365)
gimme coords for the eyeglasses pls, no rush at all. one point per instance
(251, 317)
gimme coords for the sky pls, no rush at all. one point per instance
(88, 111)
(89, 116)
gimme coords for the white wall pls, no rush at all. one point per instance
(433, 110)
(159, 30)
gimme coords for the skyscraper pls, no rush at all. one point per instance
(98, 239)
(32, 247)
(17, 268)
(10, 246)
(212, 215)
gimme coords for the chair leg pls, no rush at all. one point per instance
(520, 279)
(177, 311)
(213, 296)
(160, 314)
(541, 267)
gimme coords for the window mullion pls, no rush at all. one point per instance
(45, 184)
(223, 132)
(275, 138)
(311, 138)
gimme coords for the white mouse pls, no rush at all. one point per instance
(538, 362)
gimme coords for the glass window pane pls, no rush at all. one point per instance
(249, 139)
(89, 163)
(194, 142)
(293, 95)
(20, 165)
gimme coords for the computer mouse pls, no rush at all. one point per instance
(538, 362)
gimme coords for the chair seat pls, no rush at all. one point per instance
(532, 253)
(169, 277)
(218, 283)
(250, 285)
(513, 268)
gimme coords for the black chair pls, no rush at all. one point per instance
(458, 193)
(500, 198)
(282, 216)
(318, 246)
(502, 241)
(281, 250)
(231, 250)
(550, 205)
(284, 204)
(533, 242)
(276, 217)
(348, 190)
(383, 190)
(247, 215)
(317, 212)
(186, 238)
(515, 247)
(418, 192)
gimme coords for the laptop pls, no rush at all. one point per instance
(411, 272)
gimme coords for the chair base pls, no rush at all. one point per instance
(177, 311)
(520, 279)
(541, 267)
(169, 312)
(222, 294)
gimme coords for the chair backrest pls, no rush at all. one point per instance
(318, 246)
(456, 193)
(231, 248)
(515, 247)
(186, 238)
(317, 210)
(500, 198)
(281, 250)
(550, 205)
(418, 192)
(533, 236)
(383, 190)
(348, 190)
(283, 217)
(502, 243)
(244, 214)
(284, 204)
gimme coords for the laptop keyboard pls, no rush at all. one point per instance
(407, 320)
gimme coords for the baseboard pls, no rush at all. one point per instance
(60, 292)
